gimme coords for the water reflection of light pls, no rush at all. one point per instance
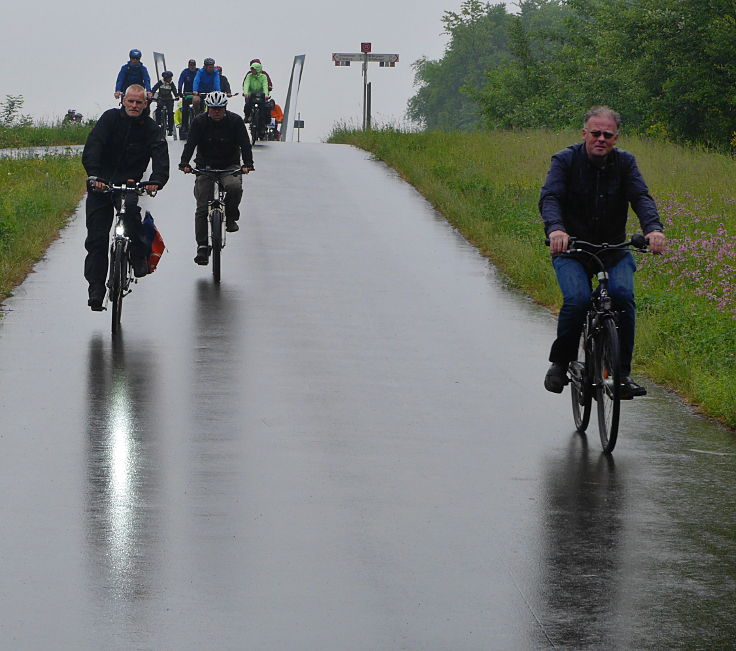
(122, 464)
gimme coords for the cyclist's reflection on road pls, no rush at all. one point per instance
(122, 464)
(582, 547)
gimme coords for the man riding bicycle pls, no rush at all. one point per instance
(221, 140)
(165, 93)
(118, 149)
(185, 87)
(586, 195)
(133, 72)
(206, 80)
(255, 82)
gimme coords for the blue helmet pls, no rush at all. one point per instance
(135, 54)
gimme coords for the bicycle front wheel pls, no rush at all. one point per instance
(608, 383)
(581, 389)
(255, 118)
(216, 226)
(117, 283)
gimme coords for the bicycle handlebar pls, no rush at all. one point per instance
(139, 187)
(210, 172)
(638, 241)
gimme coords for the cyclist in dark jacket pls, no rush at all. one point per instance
(221, 140)
(186, 79)
(133, 72)
(118, 149)
(165, 93)
(586, 195)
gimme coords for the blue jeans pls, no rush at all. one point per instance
(576, 290)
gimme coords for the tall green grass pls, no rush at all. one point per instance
(37, 198)
(487, 185)
(43, 135)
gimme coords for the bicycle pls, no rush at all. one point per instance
(163, 117)
(120, 275)
(596, 373)
(216, 217)
(256, 128)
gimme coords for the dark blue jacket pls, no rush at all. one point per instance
(591, 203)
(130, 75)
(206, 82)
(186, 79)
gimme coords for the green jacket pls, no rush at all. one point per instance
(255, 83)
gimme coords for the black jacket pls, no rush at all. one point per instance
(120, 147)
(219, 144)
(591, 203)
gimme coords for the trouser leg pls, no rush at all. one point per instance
(576, 291)
(621, 290)
(203, 192)
(99, 209)
(134, 228)
(234, 193)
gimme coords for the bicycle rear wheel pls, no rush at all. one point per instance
(216, 226)
(581, 390)
(117, 283)
(608, 383)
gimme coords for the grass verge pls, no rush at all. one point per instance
(487, 185)
(44, 135)
(38, 197)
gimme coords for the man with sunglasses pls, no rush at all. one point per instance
(586, 195)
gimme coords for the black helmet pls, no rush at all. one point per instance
(135, 54)
(209, 61)
(167, 73)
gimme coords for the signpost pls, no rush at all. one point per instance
(365, 56)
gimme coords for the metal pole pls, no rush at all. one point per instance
(365, 90)
(368, 108)
(299, 131)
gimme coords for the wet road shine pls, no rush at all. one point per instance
(345, 445)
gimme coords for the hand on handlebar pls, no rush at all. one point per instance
(186, 169)
(97, 186)
(151, 189)
(655, 239)
(558, 241)
(245, 169)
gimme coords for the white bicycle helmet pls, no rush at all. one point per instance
(216, 99)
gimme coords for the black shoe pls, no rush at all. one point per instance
(203, 255)
(556, 378)
(96, 297)
(140, 267)
(232, 227)
(630, 389)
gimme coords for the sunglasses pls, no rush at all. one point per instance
(606, 134)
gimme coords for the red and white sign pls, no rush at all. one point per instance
(365, 47)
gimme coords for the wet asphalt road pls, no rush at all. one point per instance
(346, 445)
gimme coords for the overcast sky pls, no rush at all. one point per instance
(67, 55)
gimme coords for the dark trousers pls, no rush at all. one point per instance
(575, 285)
(100, 213)
(168, 106)
(186, 107)
(204, 188)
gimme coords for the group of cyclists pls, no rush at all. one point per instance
(589, 188)
(126, 139)
(193, 85)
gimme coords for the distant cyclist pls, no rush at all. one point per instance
(206, 80)
(118, 149)
(133, 72)
(255, 82)
(221, 141)
(165, 93)
(185, 88)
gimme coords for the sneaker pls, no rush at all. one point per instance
(203, 255)
(140, 267)
(630, 389)
(231, 227)
(556, 378)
